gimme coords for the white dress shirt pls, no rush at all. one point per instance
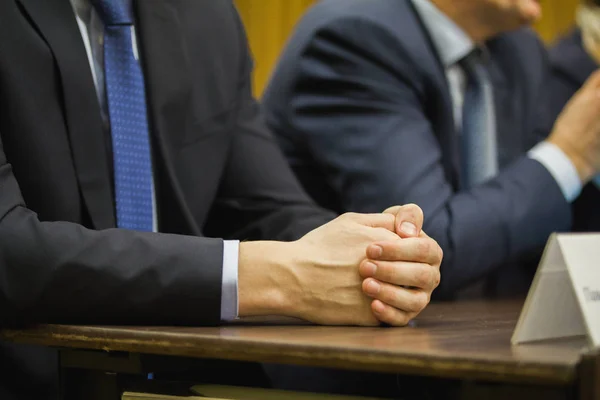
(452, 45)
(92, 32)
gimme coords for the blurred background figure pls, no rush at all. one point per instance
(436, 102)
(574, 57)
(270, 22)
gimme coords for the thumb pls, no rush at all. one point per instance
(409, 220)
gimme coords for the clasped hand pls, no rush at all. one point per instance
(387, 255)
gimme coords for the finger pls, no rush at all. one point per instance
(409, 219)
(400, 273)
(389, 315)
(422, 250)
(380, 220)
(404, 299)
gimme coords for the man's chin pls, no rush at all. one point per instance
(532, 12)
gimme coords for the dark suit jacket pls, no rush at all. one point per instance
(218, 173)
(571, 66)
(361, 106)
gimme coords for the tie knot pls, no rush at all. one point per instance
(475, 63)
(114, 12)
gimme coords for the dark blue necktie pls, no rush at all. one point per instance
(128, 118)
(479, 147)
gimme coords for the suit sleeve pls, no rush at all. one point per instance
(259, 197)
(60, 272)
(358, 109)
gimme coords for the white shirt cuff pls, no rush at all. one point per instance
(229, 288)
(559, 166)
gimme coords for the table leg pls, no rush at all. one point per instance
(589, 377)
(84, 384)
(95, 375)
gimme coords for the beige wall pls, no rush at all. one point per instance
(558, 17)
(269, 22)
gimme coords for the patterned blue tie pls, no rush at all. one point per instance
(128, 118)
(479, 147)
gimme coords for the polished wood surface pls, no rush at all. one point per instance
(457, 340)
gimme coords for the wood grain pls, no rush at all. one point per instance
(468, 340)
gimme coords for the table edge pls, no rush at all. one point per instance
(198, 346)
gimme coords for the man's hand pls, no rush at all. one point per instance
(317, 277)
(577, 129)
(393, 285)
(401, 288)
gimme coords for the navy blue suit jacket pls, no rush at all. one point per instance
(361, 106)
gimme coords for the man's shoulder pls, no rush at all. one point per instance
(567, 43)
(387, 15)
(521, 53)
(570, 60)
(358, 8)
(521, 42)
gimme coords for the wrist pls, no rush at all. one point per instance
(585, 169)
(264, 279)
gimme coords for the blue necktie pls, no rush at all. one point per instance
(128, 118)
(479, 147)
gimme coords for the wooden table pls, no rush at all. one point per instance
(467, 341)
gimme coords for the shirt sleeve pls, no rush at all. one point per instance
(559, 166)
(229, 288)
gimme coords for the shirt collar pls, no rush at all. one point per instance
(83, 8)
(450, 41)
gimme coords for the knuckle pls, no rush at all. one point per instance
(437, 279)
(388, 272)
(392, 296)
(440, 254)
(424, 277)
(349, 216)
(402, 319)
(392, 210)
(418, 302)
(423, 249)
(389, 295)
(423, 300)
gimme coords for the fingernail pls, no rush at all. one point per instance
(378, 307)
(369, 268)
(408, 228)
(375, 251)
(373, 287)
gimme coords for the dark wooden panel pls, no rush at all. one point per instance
(468, 340)
(589, 376)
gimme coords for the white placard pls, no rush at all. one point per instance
(564, 299)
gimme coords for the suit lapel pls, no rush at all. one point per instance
(56, 23)
(421, 45)
(508, 105)
(503, 114)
